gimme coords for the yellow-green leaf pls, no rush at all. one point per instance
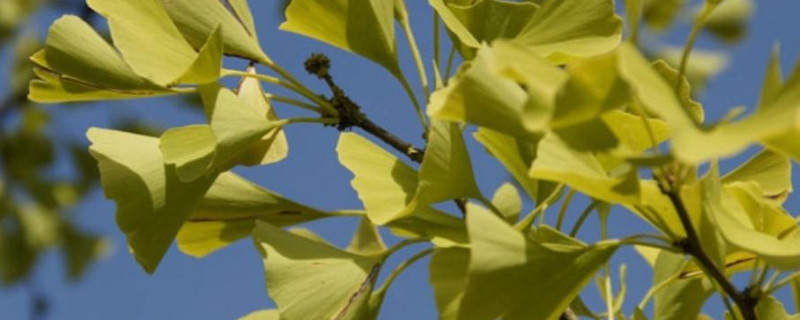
(509, 275)
(562, 29)
(556, 161)
(197, 19)
(364, 27)
(262, 315)
(448, 277)
(515, 155)
(152, 203)
(272, 147)
(771, 171)
(312, 280)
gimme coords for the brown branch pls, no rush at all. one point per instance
(691, 245)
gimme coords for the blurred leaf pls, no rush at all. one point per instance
(506, 199)
(262, 315)
(729, 20)
(770, 308)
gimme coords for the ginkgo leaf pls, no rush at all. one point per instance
(152, 203)
(770, 308)
(364, 27)
(509, 275)
(200, 149)
(556, 161)
(738, 229)
(448, 277)
(197, 20)
(262, 315)
(690, 142)
(80, 249)
(773, 79)
(446, 170)
(507, 201)
(679, 298)
(443, 230)
(77, 64)
(272, 147)
(150, 43)
(201, 238)
(728, 21)
(366, 240)
(241, 11)
(515, 155)
(771, 171)
(659, 14)
(562, 29)
(487, 92)
(703, 65)
(593, 87)
(228, 211)
(384, 184)
(312, 280)
(483, 21)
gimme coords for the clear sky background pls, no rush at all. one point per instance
(230, 283)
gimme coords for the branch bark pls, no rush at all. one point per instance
(692, 246)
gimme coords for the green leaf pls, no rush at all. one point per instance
(201, 238)
(506, 199)
(152, 203)
(509, 275)
(691, 142)
(77, 64)
(446, 171)
(515, 155)
(771, 171)
(448, 277)
(364, 27)
(152, 45)
(729, 20)
(80, 250)
(483, 21)
(262, 315)
(681, 298)
(197, 20)
(200, 149)
(366, 241)
(556, 161)
(227, 213)
(312, 280)
(703, 65)
(738, 229)
(563, 29)
(272, 147)
(659, 14)
(487, 92)
(770, 308)
(773, 79)
(384, 184)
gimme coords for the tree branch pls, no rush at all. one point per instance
(692, 246)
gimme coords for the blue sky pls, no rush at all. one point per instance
(230, 283)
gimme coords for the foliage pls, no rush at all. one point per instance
(559, 96)
(35, 205)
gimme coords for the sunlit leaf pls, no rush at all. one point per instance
(308, 279)
(274, 146)
(573, 28)
(366, 240)
(582, 171)
(364, 27)
(771, 171)
(738, 229)
(509, 275)
(506, 199)
(770, 308)
(227, 213)
(152, 203)
(448, 277)
(515, 155)
(262, 315)
(197, 20)
(680, 298)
